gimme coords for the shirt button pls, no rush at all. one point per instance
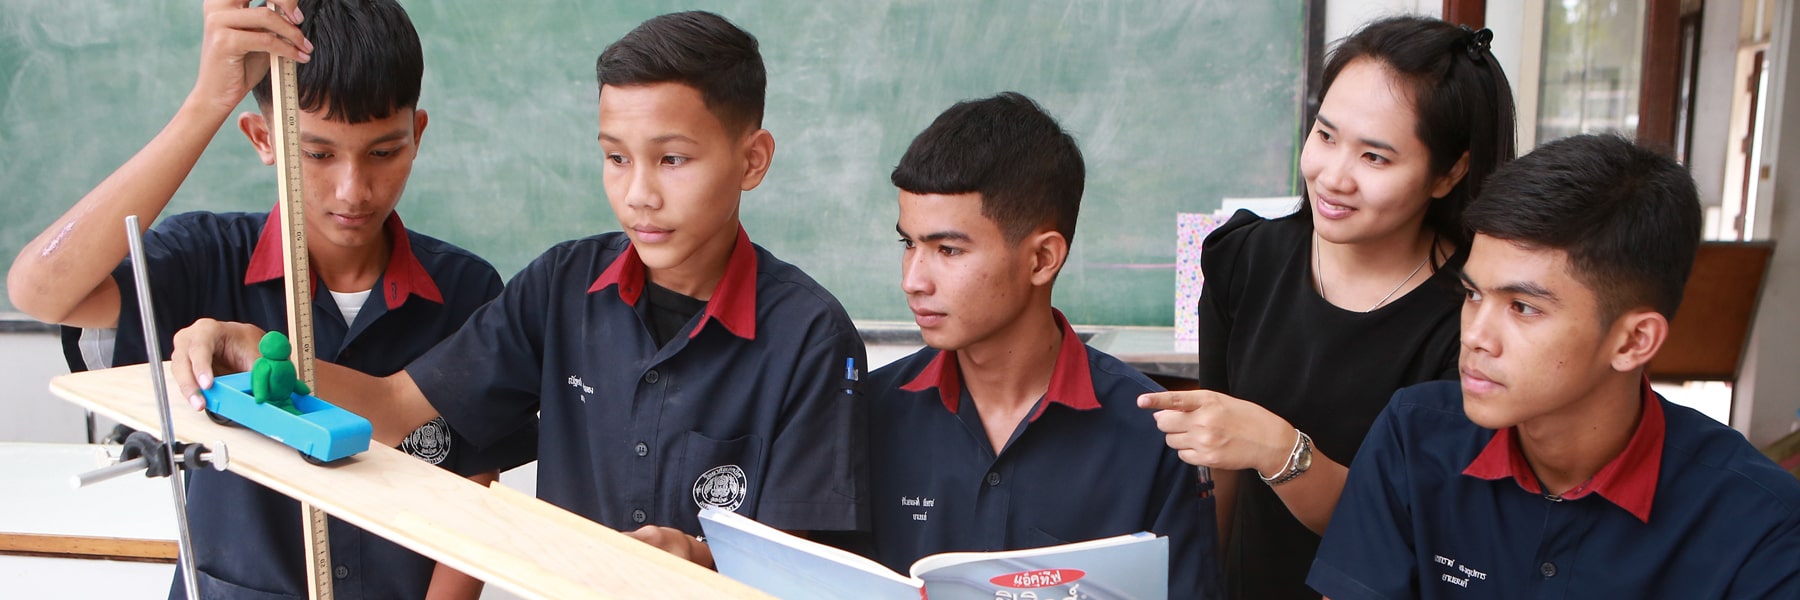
(643, 449)
(993, 479)
(639, 516)
(341, 572)
(1548, 569)
(651, 377)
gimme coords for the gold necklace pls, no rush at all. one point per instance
(1319, 277)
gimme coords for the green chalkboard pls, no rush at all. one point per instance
(1176, 103)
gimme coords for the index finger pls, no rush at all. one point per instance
(1185, 401)
(191, 363)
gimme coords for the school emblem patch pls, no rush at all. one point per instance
(723, 486)
(429, 443)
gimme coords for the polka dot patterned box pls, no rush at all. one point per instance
(1190, 230)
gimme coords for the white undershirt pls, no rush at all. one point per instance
(97, 346)
(350, 303)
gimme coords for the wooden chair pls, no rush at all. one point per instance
(1706, 341)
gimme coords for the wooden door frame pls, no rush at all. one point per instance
(1466, 12)
(1660, 86)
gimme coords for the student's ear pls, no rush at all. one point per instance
(1049, 249)
(759, 152)
(256, 128)
(419, 122)
(1635, 338)
(1443, 185)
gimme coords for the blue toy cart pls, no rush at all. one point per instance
(322, 432)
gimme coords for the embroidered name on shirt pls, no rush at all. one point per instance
(919, 502)
(575, 382)
(1467, 573)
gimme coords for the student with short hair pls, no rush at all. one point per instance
(670, 366)
(1009, 431)
(1555, 470)
(1309, 322)
(385, 294)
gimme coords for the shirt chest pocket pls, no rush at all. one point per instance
(722, 473)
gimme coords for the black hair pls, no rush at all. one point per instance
(697, 49)
(1028, 170)
(366, 61)
(1459, 93)
(1627, 217)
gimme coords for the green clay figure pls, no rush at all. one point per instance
(273, 379)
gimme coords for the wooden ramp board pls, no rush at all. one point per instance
(498, 535)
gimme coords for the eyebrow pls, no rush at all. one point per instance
(934, 237)
(1365, 141)
(1519, 288)
(395, 135)
(661, 139)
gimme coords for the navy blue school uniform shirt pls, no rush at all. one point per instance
(747, 408)
(248, 539)
(1087, 463)
(1437, 507)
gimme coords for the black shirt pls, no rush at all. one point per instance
(1266, 336)
(669, 311)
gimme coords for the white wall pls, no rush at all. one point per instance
(1518, 45)
(1344, 17)
(28, 413)
(1713, 98)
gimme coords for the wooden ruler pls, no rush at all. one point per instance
(284, 79)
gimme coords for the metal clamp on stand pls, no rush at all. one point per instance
(143, 452)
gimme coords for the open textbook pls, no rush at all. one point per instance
(1134, 566)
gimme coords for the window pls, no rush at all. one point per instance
(1590, 81)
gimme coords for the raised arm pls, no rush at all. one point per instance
(393, 404)
(64, 274)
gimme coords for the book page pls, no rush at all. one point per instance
(792, 568)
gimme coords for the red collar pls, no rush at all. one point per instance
(1071, 383)
(403, 277)
(733, 303)
(1628, 480)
